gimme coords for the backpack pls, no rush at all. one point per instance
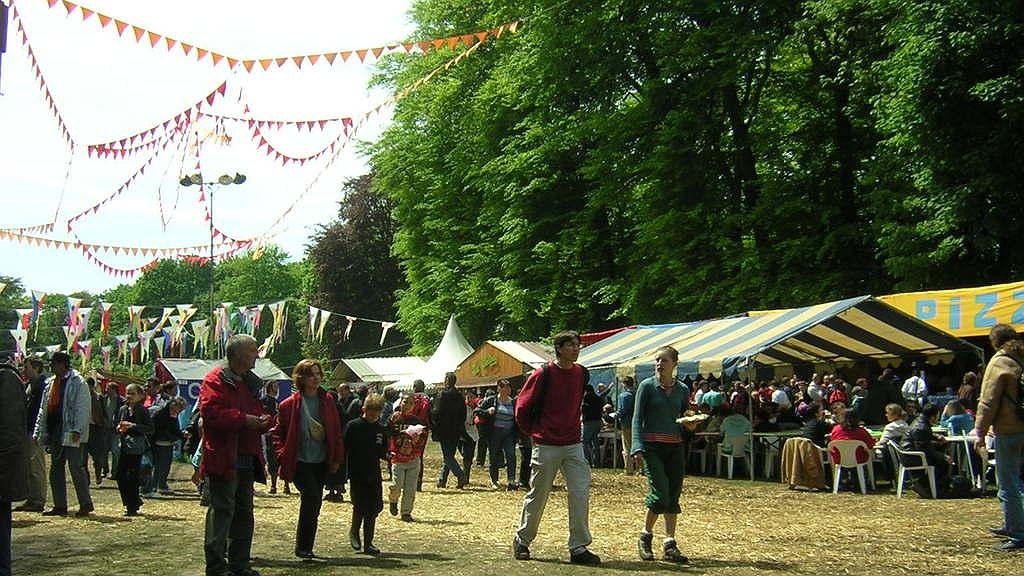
(542, 390)
(1018, 404)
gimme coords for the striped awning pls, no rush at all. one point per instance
(843, 331)
(630, 343)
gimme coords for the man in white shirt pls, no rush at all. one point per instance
(780, 397)
(915, 388)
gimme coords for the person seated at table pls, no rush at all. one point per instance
(956, 419)
(733, 425)
(849, 428)
(897, 431)
(858, 392)
(766, 418)
(836, 413)
(912, 409)
(922, 439)
(815, 427)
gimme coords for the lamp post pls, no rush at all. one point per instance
(224, 180)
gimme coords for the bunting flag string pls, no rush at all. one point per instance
(105, 352)
(38, 229)
(144, 36)
(117, 249)
(51, 104)
(164, 143)
(262, 143)
(400, 95)
(83, 320)
(178, 122)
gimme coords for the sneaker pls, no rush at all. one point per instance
(585, 557)
(495, 486)
(305, 554)
(643, 544)
(519, 550)
(132, 513)
(463, 482)
(1000, 532)
(1011, 544)
(85, 511)
(56, 512)
(671, 553)
(353, 540)
(512, 487)
(407, 518)
(393, 508)
(371, 550)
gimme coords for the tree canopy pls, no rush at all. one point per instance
(617, 162)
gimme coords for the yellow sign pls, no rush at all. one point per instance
(966, 311)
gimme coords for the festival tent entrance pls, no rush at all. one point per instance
(189, 374)
(497, 359)
(833, 333)
(452, 350)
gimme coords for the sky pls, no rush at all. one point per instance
(108, 87)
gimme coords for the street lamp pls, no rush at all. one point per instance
(224, 180)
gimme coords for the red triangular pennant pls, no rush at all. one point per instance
(330, 56)
(86, 13)
(153, 38)
(186, 48)
(70, 6)
(453, 41)
(377, 52)
(138, 32)
(361, 54)
(120, 26)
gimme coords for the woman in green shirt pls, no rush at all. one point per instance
(658, 447)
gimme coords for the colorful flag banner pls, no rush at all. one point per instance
(385, 326)
(51, 350)
(325, 315)
(105, 319)
(83, 320)
(348, 329)
(24, 318)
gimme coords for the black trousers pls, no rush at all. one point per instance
(227, 540)
(128, 480)
(309, 479)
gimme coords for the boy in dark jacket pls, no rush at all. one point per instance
(364, 449)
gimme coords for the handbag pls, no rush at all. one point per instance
(316, 429)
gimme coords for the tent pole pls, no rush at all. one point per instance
(750, 403)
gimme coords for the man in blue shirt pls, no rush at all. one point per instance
(624, 414)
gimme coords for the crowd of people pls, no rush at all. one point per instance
(318, 440)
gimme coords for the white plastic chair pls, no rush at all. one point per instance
(848, 459)
(909, 460)
(739, 450)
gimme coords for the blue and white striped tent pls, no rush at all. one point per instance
(835, 332)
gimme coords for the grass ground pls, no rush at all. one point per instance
(727, 527)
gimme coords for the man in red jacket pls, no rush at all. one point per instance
(549, 409)
(233, 420)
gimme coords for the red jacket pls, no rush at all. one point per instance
(286, 435)
(560, 416)
(224, 403)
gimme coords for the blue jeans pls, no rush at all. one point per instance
(451, 464)
(162, 456)
(503, 441)
(1009, 455)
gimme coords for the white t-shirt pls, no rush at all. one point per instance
(781, 398)
(914, 388)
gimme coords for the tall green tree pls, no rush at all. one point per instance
(353, 272)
